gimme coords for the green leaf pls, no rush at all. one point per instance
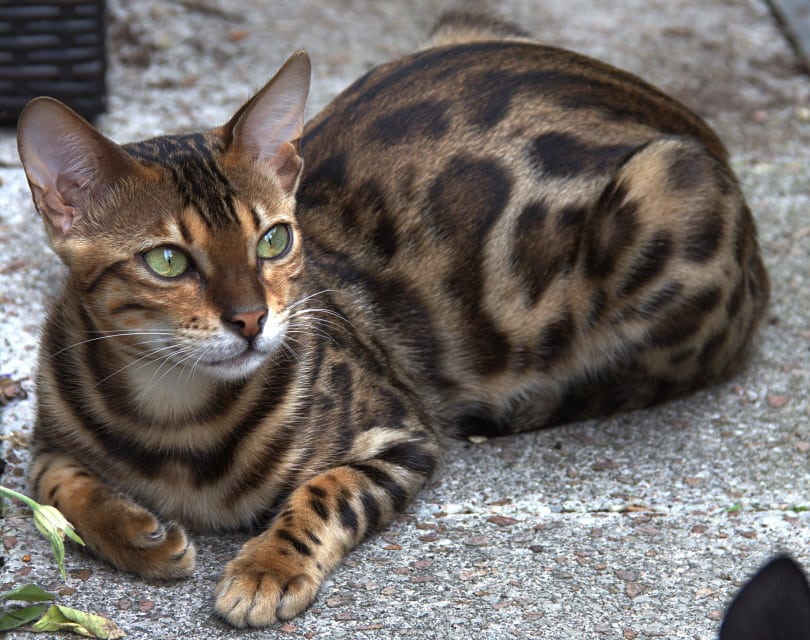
(27, 593)
(59, 618)
(18, 617)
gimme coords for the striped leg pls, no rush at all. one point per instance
(113, 527)
(277, 574)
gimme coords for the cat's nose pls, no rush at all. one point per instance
(248, 323)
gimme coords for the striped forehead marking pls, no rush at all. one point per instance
(191, 160)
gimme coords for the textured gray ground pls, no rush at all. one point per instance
(639, 526)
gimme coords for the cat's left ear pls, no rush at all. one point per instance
(68, 162)
(269, 126)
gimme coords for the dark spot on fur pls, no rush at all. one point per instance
(425, 119)
(611, 232)
(384, 237)
(736, 299)
(713, 346)
(384, 481)
(702, 240)
(682, 322)
(402, 309)
(599, 303)
(320, 183)
(534, 262)
(464, 202)
(649, 263)
(488, 346)
(681, 356)
(386, 409)
(554, 341)
(300, 546)
(466, 199)
(348, 516)
(317, 505)
(312, 537)
(688, 169)
(371, 509)
(660, 298)
(408, 455)
(570, 217)
(743, 235)
(562, 155)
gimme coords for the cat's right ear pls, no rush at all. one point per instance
(268, 128)
(68, 163)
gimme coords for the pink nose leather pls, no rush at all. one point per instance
(249, 323)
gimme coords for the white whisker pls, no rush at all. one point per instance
(310, 297)
(172, 357)
(120, 334)
(147, 357)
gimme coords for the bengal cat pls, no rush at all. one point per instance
(273, 326)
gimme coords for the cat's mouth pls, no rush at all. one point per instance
(238, 366)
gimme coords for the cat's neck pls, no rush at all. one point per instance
(170, 395)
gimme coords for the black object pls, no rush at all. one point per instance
(773, 605)
(54, 48)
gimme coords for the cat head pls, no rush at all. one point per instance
(190, 239)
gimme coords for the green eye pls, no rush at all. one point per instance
(167, 261)
(274, 242)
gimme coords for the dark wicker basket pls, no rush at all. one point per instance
(52, 49)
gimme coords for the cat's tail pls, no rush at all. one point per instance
(459, 26)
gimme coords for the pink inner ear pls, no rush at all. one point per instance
(287, 164)
(67, 161)
(61, 216)
(55, 145)
(274, 120)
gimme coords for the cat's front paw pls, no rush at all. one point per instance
(133, 539)
(253, 596)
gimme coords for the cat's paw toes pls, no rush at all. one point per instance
(253, 598)
(143, 545)
(169, 553)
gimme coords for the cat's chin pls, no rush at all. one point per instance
(237, 368)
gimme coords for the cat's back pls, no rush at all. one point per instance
(528, 227)
(482, 87)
